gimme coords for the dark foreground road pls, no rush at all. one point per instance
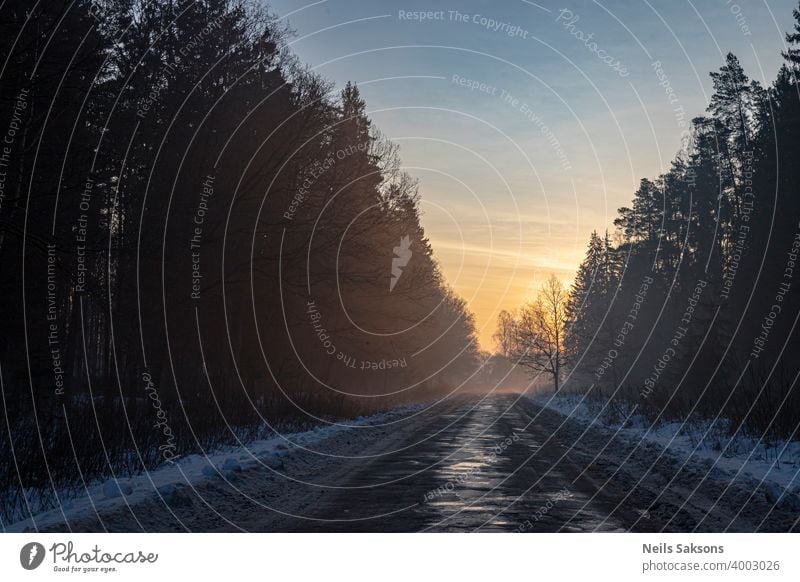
(491, 463)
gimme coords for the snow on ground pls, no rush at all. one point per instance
(701, 443)
(101, 496)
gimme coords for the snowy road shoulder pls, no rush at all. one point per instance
(189, 475)
(700, 445)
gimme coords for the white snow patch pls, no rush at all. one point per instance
(194, 469)
(704, 444)
(114, 488)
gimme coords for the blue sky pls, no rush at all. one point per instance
(523, 138)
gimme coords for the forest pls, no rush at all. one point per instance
(201, 242)
(204, 243)
(688, 307)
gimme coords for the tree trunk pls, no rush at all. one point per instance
(556, 376)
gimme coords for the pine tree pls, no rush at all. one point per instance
(733, 107)
(642, 223)
(792, 54)
(592, 321)
(580, 306)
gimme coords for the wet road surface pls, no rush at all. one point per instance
(483, 465)
(470, 463)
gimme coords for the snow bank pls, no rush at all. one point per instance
(705, 445)
(222, 465)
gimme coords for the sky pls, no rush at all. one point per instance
(529, 124)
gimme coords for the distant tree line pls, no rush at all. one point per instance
(196, 234)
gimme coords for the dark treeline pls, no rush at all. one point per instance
(199, 240)
(690, 308)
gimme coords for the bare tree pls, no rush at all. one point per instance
(505, 332)
(537, 336)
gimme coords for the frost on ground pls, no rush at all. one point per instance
(373, 474)
(700, 445)
(196, 482)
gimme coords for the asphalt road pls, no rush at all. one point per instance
(501, 463)
(471, 463)
(484, 464)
